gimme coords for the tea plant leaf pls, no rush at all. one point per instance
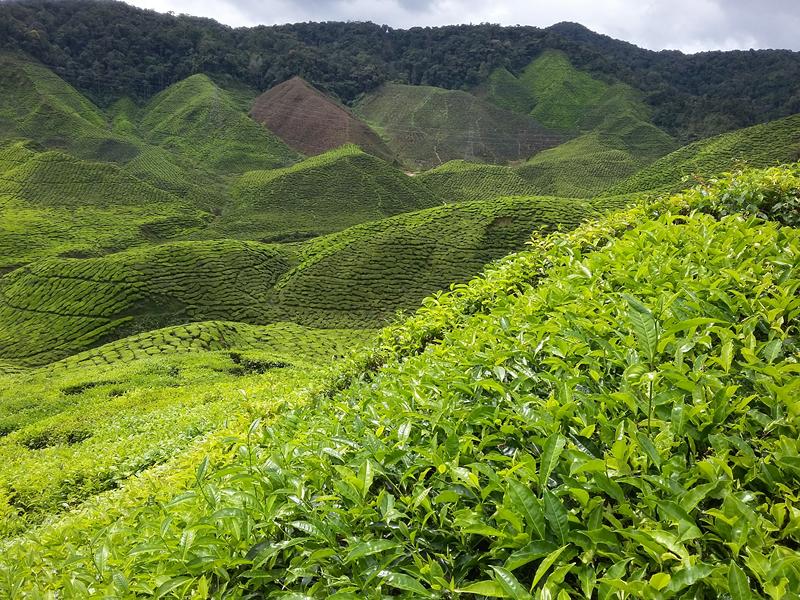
(738, 586)
(526, 504)
(510, 585)
(550, 455)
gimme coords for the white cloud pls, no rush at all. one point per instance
(688, 25)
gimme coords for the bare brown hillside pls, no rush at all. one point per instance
(311, 122)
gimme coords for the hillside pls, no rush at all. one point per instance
(426, 126)
(311, 122)
(357, 278)
(197, 119)
(458, 180)
(56, 205)
(590, 416)
(760, 146)
(38, 105)
(319, 195)
(590, 164)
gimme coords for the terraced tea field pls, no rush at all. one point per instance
(357, 278)
(276, 344)
(325, 193)
(592, 163)
(89, 424)
(55, 205)
(361, 276)
(763, 145)
(196, 119)
(460, 180)
(426, 126)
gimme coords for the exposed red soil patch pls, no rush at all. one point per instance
(311, 122)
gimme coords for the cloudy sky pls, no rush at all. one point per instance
(688, 25)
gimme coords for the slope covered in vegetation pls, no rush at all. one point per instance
(38, 105)
(593, 162)
(312, 122)
(56, 205)
(427, 126)
(612, 412)
(357, 278)
(759, 146)
(319, 195)
(197, 119)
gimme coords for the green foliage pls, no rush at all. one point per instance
(361, 276)
(53, 204)
(760, 146)
(593, 162)
(325, 193)
(612, 413)
(426, 126)
(200, 121)
(357, 278)
(458, 180)
(562, 95)
(91, 423)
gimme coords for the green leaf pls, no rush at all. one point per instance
(546, 564)
(556, 515)
(489, 588)
(510, 585)
(369, 548)
(738, 585)
(650, 449)
(550, 455)
(525, 503)
(529, 553)
(660, 580)
(171, 585)
(401, 581)
(644, 326)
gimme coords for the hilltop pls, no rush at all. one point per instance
(312, 122)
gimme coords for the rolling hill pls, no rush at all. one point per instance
(319, 195)
(312, 122)
(38, 105)
(759, 146)
(613, 137)
(197, 119)
(526, 420)
(592, 163)
(357, 278)
(52, 204)
(426, 126)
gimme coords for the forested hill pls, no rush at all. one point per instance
(109, 49)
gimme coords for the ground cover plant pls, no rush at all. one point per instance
(612, 414)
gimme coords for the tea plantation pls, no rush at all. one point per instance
(427, 126)
(611, 412)
(521, 347)
(358, 278)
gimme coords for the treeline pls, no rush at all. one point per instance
(108, 49)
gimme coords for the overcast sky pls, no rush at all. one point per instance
(688, 25)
